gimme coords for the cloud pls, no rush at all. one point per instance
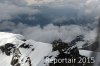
(30, 2)
(51, 32)
(56, 11)
(7, 25)
(15, 2)
(9, 11)
(60, 19)
(12, 27)
(86, 8)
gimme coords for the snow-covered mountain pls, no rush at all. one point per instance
(15, 50)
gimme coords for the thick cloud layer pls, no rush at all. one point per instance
(77, 9)
(50, 32)
(65, 14)
(66, 33)
(85, 7)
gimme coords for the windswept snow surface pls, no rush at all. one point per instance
(85, 53)
(88, 53)
(4, 35)
(40, 51)
(10, 38)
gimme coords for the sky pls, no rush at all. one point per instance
(47, 20)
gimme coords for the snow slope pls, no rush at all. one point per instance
(88, 53)
(9, 38)
(35, 51)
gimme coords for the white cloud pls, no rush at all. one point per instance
(51, 32)
(30, 2)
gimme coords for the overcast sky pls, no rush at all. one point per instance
(47, 20)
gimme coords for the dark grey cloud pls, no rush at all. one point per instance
(9, 11)
(46, 12)
(85, 7)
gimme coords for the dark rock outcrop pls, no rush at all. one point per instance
(64, 53)
(7, 48)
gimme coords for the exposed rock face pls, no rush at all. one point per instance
(71, 54)
(28, 61)
(24, 45)
(16, 57)
(7, 48)
(91, 47)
